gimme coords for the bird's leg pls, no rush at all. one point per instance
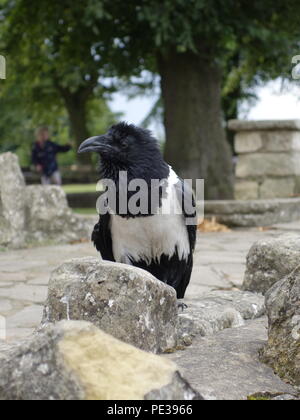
(181, 305)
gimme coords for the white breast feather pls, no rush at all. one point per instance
(147, 238)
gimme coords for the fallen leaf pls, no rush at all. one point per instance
(212, 226)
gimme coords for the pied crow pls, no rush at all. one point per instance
(155, 239)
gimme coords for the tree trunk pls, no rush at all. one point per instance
(230, 110)
(76, 105)
(196, 144)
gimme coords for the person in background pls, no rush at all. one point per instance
(44, 153)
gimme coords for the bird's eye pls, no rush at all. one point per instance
(123, 144)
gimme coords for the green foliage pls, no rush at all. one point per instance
(202, 26)
(20, 118)
(58, 51)
(21, 114)
(252, 42)
(51, 67)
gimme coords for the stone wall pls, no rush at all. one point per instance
(268, 163)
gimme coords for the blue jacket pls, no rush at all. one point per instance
(46, 156)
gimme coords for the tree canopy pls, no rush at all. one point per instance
(50, 78)
(208, 54)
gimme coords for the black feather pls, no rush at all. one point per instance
(101, 237)
(170, 270)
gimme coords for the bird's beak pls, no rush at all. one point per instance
(93, 144)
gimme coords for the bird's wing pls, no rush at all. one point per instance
(184, 271)
(175, 270)
(101, 237)
(187, 199)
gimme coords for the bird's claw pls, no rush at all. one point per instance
(182, 306)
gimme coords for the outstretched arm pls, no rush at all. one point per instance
(62, 149)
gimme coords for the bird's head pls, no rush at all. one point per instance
(127, 147)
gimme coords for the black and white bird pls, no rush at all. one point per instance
(155, 240)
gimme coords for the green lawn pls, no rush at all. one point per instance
(79, 188)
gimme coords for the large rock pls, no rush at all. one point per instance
(49, 218)
(4, 347)
(218, 310)
(77, 361)
(270, 260)
(226, 365)
(283, 307)
(124, 301)
(36, 213)
(12, 202)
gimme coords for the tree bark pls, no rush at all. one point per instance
(76, 105)
(196, 144)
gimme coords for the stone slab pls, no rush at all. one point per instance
(247, 213)
(242, 125)
(268, 164)
(248, 142)
(266, 141)
(246, 190)
(277, 188)
(226, 366)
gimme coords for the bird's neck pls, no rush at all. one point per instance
(124, 190)
(146, 171)
(109, 170)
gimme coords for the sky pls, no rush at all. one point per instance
(273, 103)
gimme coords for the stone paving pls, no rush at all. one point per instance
(24, 274)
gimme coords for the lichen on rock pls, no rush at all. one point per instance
(268, 261)
(283, 308)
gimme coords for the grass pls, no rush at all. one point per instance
(85, 211)
(79, 188)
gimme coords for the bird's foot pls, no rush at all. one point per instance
(181, 305)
